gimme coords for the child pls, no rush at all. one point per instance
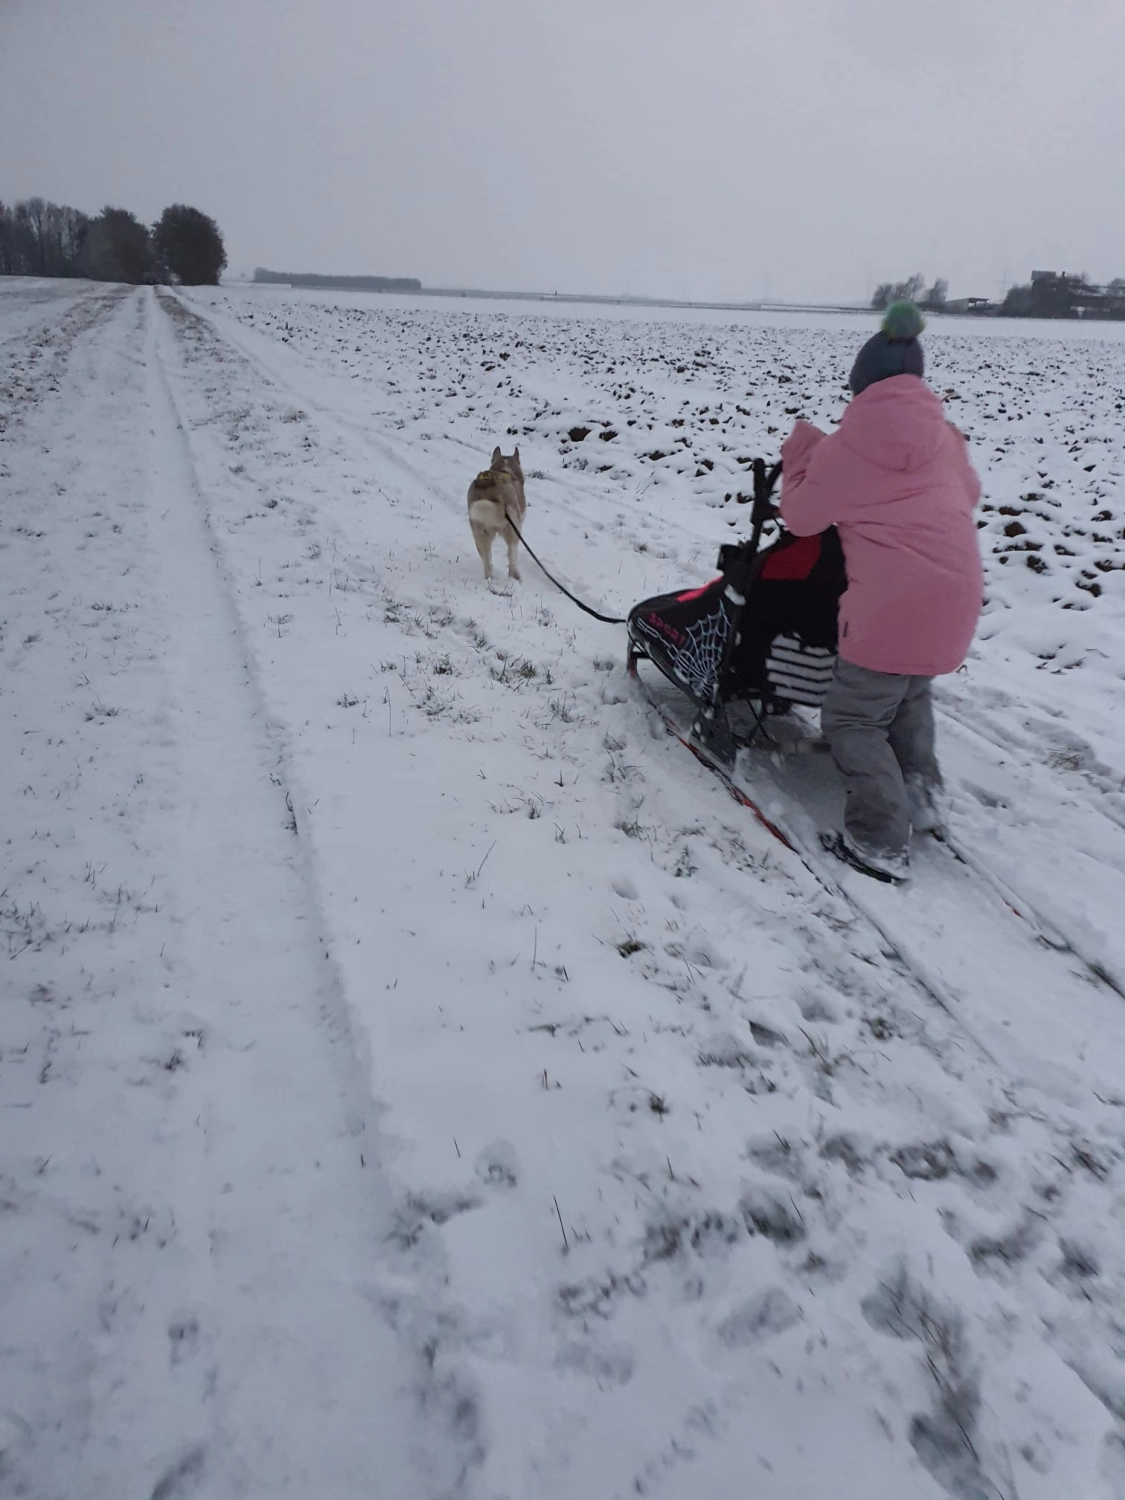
(896, 481)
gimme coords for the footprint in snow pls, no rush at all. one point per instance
(759, 1318)
(497, 1164)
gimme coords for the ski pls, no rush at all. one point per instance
(716, 767)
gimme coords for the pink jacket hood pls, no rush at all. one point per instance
(896, 481)
(898, 424)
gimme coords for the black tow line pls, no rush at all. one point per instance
(764, 482)
(605, 619)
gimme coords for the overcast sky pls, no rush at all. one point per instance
(704, 149)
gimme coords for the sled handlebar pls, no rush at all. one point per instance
(765, 482)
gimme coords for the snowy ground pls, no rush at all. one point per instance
(419, 1077)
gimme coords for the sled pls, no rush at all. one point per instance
(755, 642)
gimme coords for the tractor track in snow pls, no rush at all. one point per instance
(37, 318)
(329, 1283)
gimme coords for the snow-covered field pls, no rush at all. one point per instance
(419, 1078)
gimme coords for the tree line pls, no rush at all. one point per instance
(1049, 294)
(338, 283)
(38, 238)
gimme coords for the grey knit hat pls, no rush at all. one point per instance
(894, 350)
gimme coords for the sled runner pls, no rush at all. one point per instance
(761, 636)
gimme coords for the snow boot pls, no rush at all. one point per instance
(890, 871)
(928, 804)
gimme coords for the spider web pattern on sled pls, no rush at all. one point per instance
(763, 634)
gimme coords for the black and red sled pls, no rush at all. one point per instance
(762, 635)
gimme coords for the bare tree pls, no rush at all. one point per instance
(72, 237)
(24, 240)
(884, 296)
(7, 241)
(38, 238)
(900, 291)
(935, 298)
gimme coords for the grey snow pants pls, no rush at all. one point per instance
(880, 731)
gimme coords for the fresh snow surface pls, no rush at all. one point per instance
(418, 1077)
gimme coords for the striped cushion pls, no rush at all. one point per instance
(798, 672)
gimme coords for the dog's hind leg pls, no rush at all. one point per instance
(513, 542)
(483, 538)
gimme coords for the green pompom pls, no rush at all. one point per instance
(903, 321)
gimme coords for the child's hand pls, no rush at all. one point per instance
(797, 448)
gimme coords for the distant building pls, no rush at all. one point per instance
(1065, 294)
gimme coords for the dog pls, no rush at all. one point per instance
(496, 495)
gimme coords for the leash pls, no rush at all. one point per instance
(605, 619)
(764, 482)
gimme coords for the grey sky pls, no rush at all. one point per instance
(691, 148)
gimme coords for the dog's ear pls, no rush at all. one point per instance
(516, 454)
(496, 456)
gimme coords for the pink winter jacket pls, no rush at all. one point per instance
(896, 481)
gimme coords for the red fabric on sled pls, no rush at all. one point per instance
(698, 593)
(794, 563)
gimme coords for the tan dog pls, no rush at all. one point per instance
(494, 495)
